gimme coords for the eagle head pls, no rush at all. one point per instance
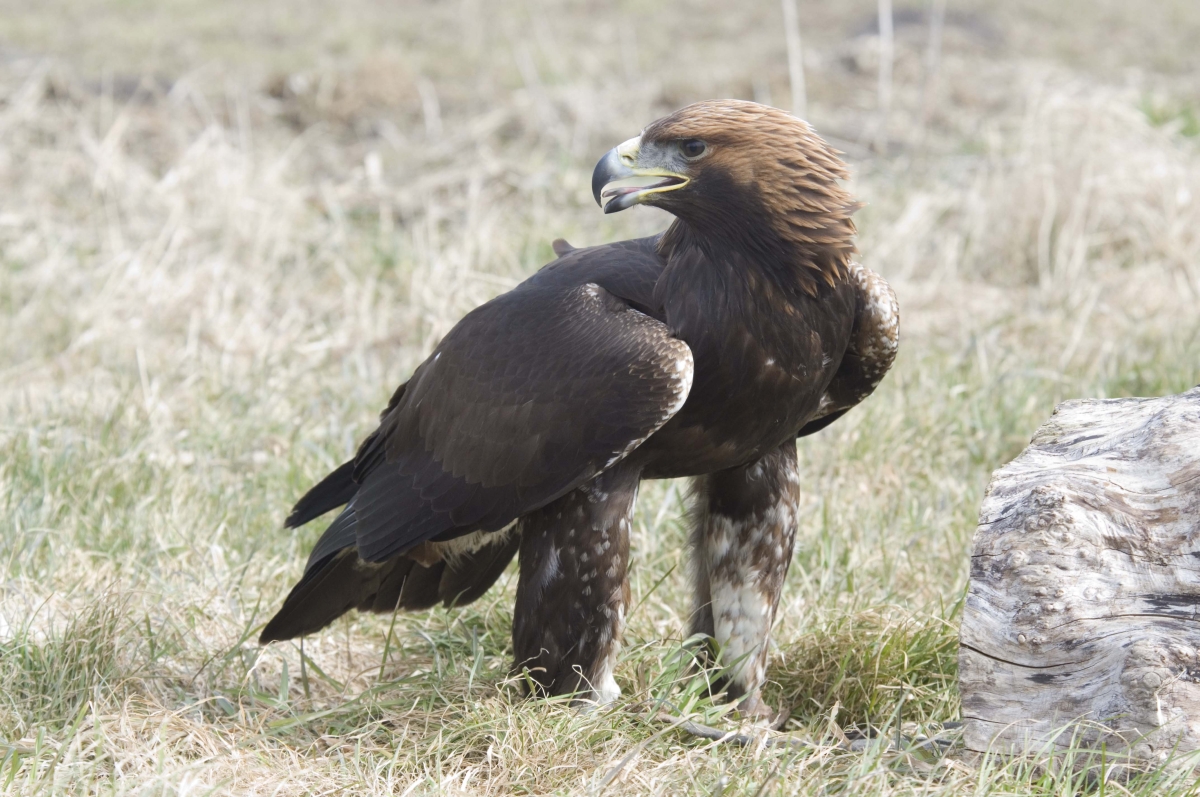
(735, 169)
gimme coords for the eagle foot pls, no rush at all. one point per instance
(759, 713)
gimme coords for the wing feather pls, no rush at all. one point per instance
(874, 341)
(528, 396)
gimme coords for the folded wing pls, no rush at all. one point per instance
(874, 340)
(528, 397)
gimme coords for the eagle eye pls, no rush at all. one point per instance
(692, 148)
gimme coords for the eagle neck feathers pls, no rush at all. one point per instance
(758, 256)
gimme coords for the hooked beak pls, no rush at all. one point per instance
(621, 163)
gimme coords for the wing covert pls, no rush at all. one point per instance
(874, 341)
(527, 397)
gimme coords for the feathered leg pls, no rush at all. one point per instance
(572, 591)
(742, 538)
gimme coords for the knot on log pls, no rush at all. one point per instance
(1082, 623)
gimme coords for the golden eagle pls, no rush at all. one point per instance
(704, 352)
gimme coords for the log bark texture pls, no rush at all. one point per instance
(1083, 610)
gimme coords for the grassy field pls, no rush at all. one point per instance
(228, 230)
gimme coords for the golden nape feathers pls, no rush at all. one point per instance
(769, 182)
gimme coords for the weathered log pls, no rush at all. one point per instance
(1083, 611)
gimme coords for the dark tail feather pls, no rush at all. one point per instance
(452, 582)
(333, 491)
(327, 591)
(468, 577)
(342, 581)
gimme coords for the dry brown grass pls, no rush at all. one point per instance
(229, 229)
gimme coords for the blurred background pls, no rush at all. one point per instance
(229, 229)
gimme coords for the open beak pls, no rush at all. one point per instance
(621, 163)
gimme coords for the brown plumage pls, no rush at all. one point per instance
(702, 352)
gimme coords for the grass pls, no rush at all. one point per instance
(228, 231)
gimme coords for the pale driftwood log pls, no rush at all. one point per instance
(1084, 602)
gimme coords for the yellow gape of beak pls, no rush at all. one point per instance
(623, 162)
